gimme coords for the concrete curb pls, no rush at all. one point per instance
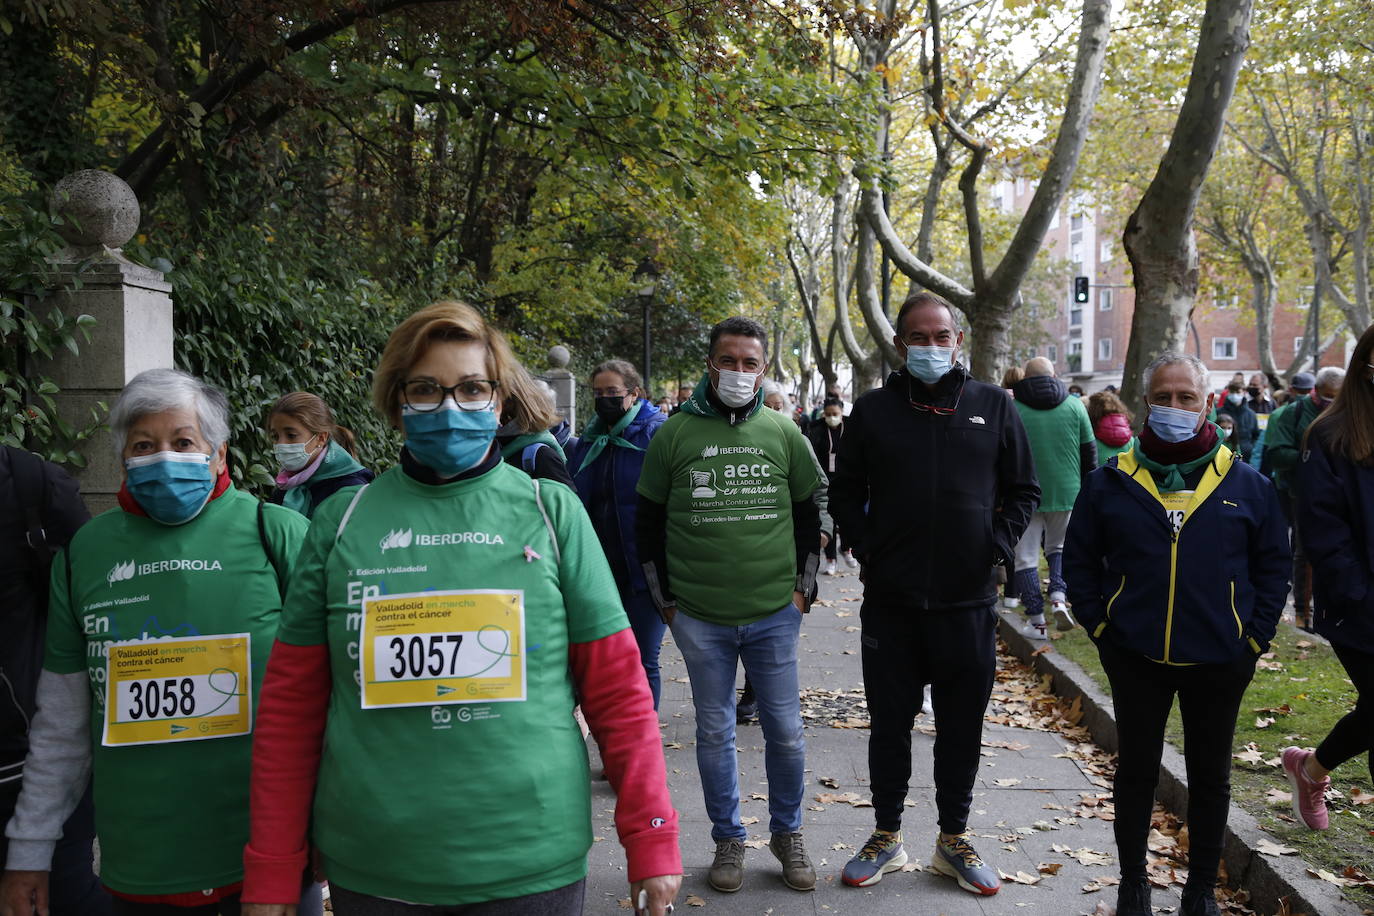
(1267, 878)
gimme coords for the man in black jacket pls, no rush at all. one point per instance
(934, 485)
(40, 510)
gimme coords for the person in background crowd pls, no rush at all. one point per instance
(728, 487)
(1284, 436)
(825, 438)
(412, 815)
(318, 458)
(1336, 508)
(40, 510)
(1258, 393)
(665, 405)
(1142, 565)
(934, 486)
(1227, 425)
(1010, 594)
(1061, 440)
(606, 464)
(833, 392)
(683, 394)
(528, 419)
(1247, 425)
(1012, 376)
(1111, 422)
(183, 583)
(1076, 391)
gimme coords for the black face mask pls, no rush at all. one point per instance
(610, 410)
(1253, 392)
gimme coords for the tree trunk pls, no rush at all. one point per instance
(990, 353)
(1264, 297)
(1159, 235)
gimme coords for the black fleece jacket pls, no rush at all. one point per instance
(934, 486)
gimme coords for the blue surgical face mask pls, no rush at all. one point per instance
(292, 456)
(449, 440)
(1172, 424)
(172, 487)
(929, 364)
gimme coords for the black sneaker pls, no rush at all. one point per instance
(1200, 903)
(1133, 897)
(748, 706)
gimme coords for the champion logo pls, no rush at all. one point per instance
(710, 451)
(120, 572)
(395, 539)
(657, 822)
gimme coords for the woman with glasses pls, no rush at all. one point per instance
(606, 463)
(419, 694)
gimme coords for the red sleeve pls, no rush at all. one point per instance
(619, 709)
(287, 743)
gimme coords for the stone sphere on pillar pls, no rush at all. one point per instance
(98, 209)
(559, 357)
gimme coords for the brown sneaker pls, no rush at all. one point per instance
(727, 869)
(797, 872)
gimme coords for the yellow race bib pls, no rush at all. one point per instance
(439, 648)
(183, 689)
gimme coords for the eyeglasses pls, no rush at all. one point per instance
(425, 395)
(931, 408)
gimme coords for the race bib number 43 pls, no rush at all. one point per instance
(184, 689)
(437, 648)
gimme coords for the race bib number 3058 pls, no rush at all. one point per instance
(184, 689)
(438, 648)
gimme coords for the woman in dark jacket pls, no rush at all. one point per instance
(316, 455)
(1336, 517)
(825, 442)
(605, 463)
(1172, 563)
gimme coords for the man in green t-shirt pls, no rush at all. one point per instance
(729, 533)
(1061, 439)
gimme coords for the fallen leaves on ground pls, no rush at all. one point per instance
(1252, 755)
(846, 798)
(1359, 796)
(1270, 848)
(1351, 877)
(1019, 877)
(1084, 855)
(1264, 721)
(694, 900)
(1278, 797)
(1049, 868)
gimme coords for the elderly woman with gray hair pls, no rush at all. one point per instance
(162, 615)
(1170, 563)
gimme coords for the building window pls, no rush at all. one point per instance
(1223, 348)
(1075, 347)
(1104, 349)
(1076, 221)
(1104, 300)
(1104, 250)
(1075, 317)
(1297, 345)
(1054, 352)
(1076, 252)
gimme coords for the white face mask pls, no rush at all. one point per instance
(292, 456)
(736, 389)
(833, 421)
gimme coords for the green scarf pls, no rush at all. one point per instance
(337, 463)
(599, 436)
(1169, 477)
(700, 405)
(514, 446)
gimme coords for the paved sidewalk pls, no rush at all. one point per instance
(1015, 822)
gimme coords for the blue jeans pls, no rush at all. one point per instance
(648, 627)
(768, 649)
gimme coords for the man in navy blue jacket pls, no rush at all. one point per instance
(1176, 566)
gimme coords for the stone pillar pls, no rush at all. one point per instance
(563, 384)
(132, 307)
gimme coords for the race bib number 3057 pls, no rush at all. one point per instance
(184, 689)
(438, 648)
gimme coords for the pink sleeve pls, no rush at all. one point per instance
(287, 741)
(619, 709)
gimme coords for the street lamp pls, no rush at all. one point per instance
(646, 282)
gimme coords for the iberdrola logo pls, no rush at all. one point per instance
(710, 451)
(120, 572)
(395, 539)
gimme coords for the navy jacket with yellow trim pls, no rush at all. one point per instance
(1210, 593)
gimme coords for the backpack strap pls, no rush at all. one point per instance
(348, 513)
(29, 479)
(553, 535)
(267, 549)
(528, 456)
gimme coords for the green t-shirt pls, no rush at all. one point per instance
(1055, 436)
(172, 817)
(454, 804)
(729, 492)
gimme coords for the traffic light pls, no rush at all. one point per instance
(1080, 289)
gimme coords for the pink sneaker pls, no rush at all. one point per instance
(1309, 801)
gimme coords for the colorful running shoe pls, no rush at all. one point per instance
(881, 854)
(958, 860)
(1309, 795)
